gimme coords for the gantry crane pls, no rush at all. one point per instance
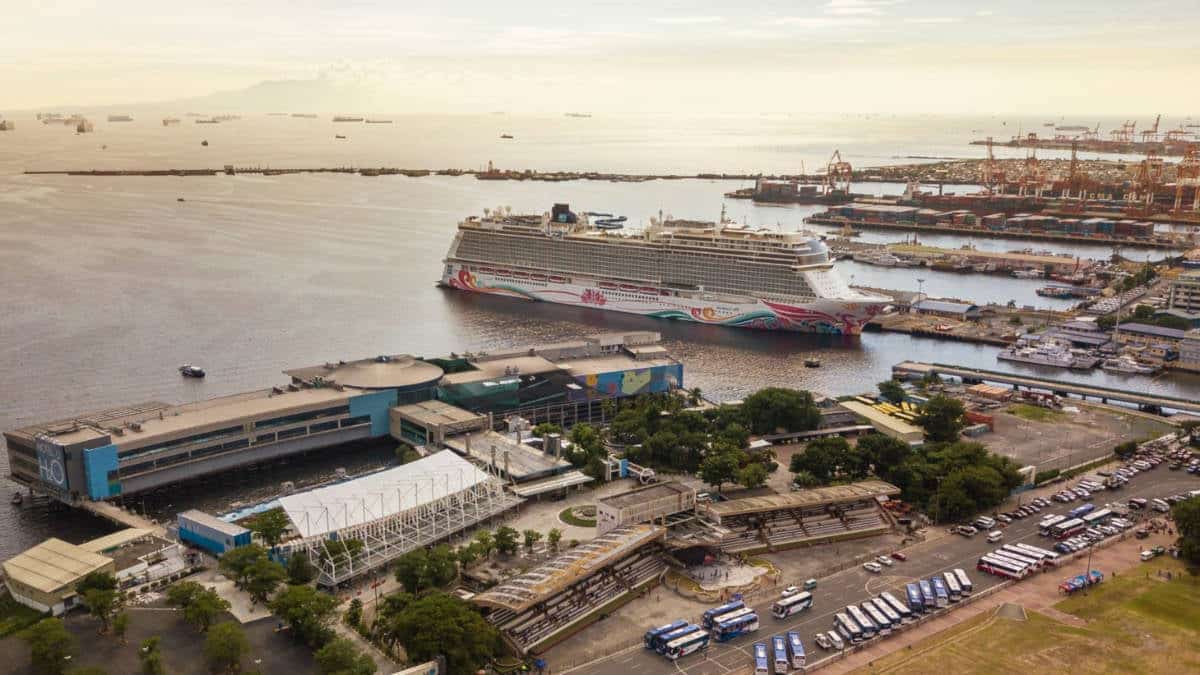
(1151, 135)
(838, 174)
(1187, 174)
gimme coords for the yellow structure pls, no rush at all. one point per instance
(885, 423)
(44, 577)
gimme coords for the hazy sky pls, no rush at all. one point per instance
(612, 55)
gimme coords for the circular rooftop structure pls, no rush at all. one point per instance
(382, 372)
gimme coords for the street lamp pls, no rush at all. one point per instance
(920, 289)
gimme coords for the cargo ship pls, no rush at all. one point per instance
(346, 118)
(716, 273)
(120, 118)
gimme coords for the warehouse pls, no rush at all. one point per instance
(211, 533)
(44, 577)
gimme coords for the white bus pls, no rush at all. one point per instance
(1033, 556)
(796, 648)
(964, 582)
(1097, 517)
(793, 604)
(1067, 528)
(892, 615)
(906, 614)
(941, 595)
(1032, 563)
(688, 644)
(1049, 557)
(1002, 568)
(846, 626)
(867, 626)
(883, 625)
(779, 647)
(952, 586)
(1047, 523)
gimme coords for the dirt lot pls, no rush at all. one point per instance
(182, 647)
(1068, 438)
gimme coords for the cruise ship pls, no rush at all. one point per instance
(713, 273)
(1050, 352)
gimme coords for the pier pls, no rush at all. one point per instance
(1146, 402)
(116, 514)
(1000, 234)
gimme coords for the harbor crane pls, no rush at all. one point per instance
(1151, 135)
(838, 174)
(1187, 174)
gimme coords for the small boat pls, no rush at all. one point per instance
(179, 199)
(340, 137)
(16, 499)
(812, 363)
(505, 135)
(188, 370)
(204, 143)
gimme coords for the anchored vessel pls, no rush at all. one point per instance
(713, 273)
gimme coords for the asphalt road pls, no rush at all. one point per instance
(856, 584)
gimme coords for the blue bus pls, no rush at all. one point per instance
(796, 647)
(916, 601)
(941, 595)
(660, 642)
(882, 624)
(1082, 510)
(761, 665)
(779, 647)
(927, 594)
(661, 630)
(848, 628)
(729, 626)
(710, 614)
(688, 644)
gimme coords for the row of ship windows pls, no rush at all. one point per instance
(240, 444)
(233, 431)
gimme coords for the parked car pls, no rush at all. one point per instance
(1147, 555)
(810, 584)
(1004, 518)
(884, 560)
(899, 556)
(823, 641)
(790, 590)
(872, 567)
(966, 530)
(836, 640)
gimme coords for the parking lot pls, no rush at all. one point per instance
(939, 554)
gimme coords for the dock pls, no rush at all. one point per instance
(999, 234)
(114, 513)
(1146, 402)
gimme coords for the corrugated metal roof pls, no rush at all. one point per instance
(114, 540)
(804, 498)
(944, 306)
(1147, 329)
(381, 494)
(53, 564)
(211, 521)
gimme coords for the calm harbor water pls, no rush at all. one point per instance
(111, 283)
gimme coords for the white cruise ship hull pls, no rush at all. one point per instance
(829, 316)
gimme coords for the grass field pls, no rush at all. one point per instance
(570, 518)
(1035, 413)
(1134, 625)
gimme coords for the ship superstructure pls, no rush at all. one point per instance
(715, 273)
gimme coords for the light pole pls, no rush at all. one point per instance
(920, 289)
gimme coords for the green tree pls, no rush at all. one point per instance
(1143, 313)
(307, 611)
(50, 645)
(884, 453)
(150, 656)
(1106, 322)
(734, 434)
(201, 606)
(1125, 450)
(486, 542)
(553, 537)
(891, 390)
(776, 408)
(120, 626)
(270, 525)
(102, 604)
(546, 428)
(805, 479)
(1187, 523)
(354, 613)
(442, 565)
(587, 440)
(225, 646)
(506, 540)
(300, 570)
(446, 625)
(821, 458)
(532, 537)
(719, 468)
(695, 396)
(942, 419)
(237, 563)
(341, 657)
(263, 578)
(467, 554)
(752, 475)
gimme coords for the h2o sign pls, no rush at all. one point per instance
(52, 465)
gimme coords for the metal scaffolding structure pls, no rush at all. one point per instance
(391, 535)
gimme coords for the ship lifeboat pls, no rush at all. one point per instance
(664, 292)
(608, 285)
(538, 277)
(503, 273)
(521, 275)
(557, 279)
(629, 288)
(484, 270)
(647, 289)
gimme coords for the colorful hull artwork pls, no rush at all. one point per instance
(820, 316)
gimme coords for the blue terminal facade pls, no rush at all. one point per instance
(135, 448)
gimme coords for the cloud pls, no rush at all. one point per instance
(858, 7)
(687, 20)
(933, 19)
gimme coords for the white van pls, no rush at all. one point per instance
(984, 522)
(1160, 506)
(1147, 555)
(994, 536)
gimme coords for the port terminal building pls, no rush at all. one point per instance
(129, 449)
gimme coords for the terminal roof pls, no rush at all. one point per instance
(382, 372)
(836, 494)
(578, 563)
(645, 494)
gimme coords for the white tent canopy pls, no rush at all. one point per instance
(380, 495)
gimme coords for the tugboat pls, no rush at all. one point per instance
(811, 362)
(188, 370)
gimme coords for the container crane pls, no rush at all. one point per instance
(1151, 135)
(838, 174)
(1187, 174)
